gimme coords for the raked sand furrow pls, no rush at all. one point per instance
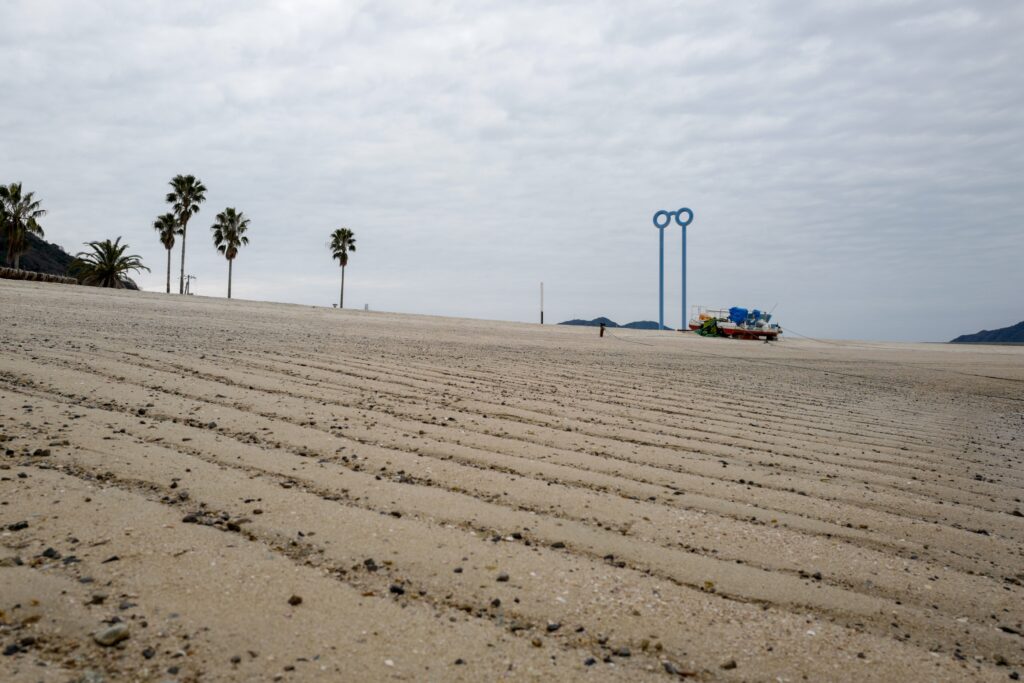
(993, 522)
(536, 415)
(581, 467)
(685, 406)
(488, 410)
(578, 465)
(223, 596)
(641, 521)
(678, 569)
(548, 586)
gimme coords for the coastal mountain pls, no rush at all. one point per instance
(596, 322)
(1004, 335)
(40, 257)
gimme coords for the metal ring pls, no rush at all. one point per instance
(682, 223)
(668, 219)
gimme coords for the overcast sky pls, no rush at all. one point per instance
(858, 166)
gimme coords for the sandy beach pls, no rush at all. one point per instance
(240, 491)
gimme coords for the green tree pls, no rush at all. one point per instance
(166, 227)
(186, 194)
(229, 236)
(343, 241)
(106, 265)
(19, 214)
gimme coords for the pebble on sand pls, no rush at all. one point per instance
(671, 669)
(112, 635)
(295, 600)
(502, 577)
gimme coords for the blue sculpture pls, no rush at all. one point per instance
(662, 220)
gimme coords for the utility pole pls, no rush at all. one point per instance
(542, 303)
(188, 281)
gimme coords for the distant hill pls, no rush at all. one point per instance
(45, 257)
(596, 322)
(1005, 335)
(642, 325)
(41, 256)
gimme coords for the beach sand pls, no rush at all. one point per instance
(472, 500)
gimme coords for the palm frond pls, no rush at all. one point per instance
(343, 242)
(229, 232)
(106, 265)
(187, 193)
(19, 216)
(166, 227)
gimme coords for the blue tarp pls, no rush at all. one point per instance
(737, 314)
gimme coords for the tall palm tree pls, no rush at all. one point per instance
(186, 194)
(19, 214)
(107, 265)
(167, 227)
(343, 241)
(229, 235)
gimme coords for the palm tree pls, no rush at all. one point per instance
(167, 227)
(18, 218)
(343, 241)
(186, 194)
(229, 235)
(107, 265)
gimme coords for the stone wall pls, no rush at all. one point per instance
(32, 276)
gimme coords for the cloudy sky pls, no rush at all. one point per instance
(857, 165)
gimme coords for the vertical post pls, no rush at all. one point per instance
(542, 303)
(661, 278)
(685, 324)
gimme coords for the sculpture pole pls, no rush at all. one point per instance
(684, 325)
(661, 278)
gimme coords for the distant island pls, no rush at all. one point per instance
(1006, 335)
(597, 322)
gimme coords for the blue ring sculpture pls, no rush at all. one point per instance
(662, 219)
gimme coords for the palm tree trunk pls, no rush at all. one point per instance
(341, 301)
(181, 281)
(230, 261)
(17, 258)
(168, 271)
